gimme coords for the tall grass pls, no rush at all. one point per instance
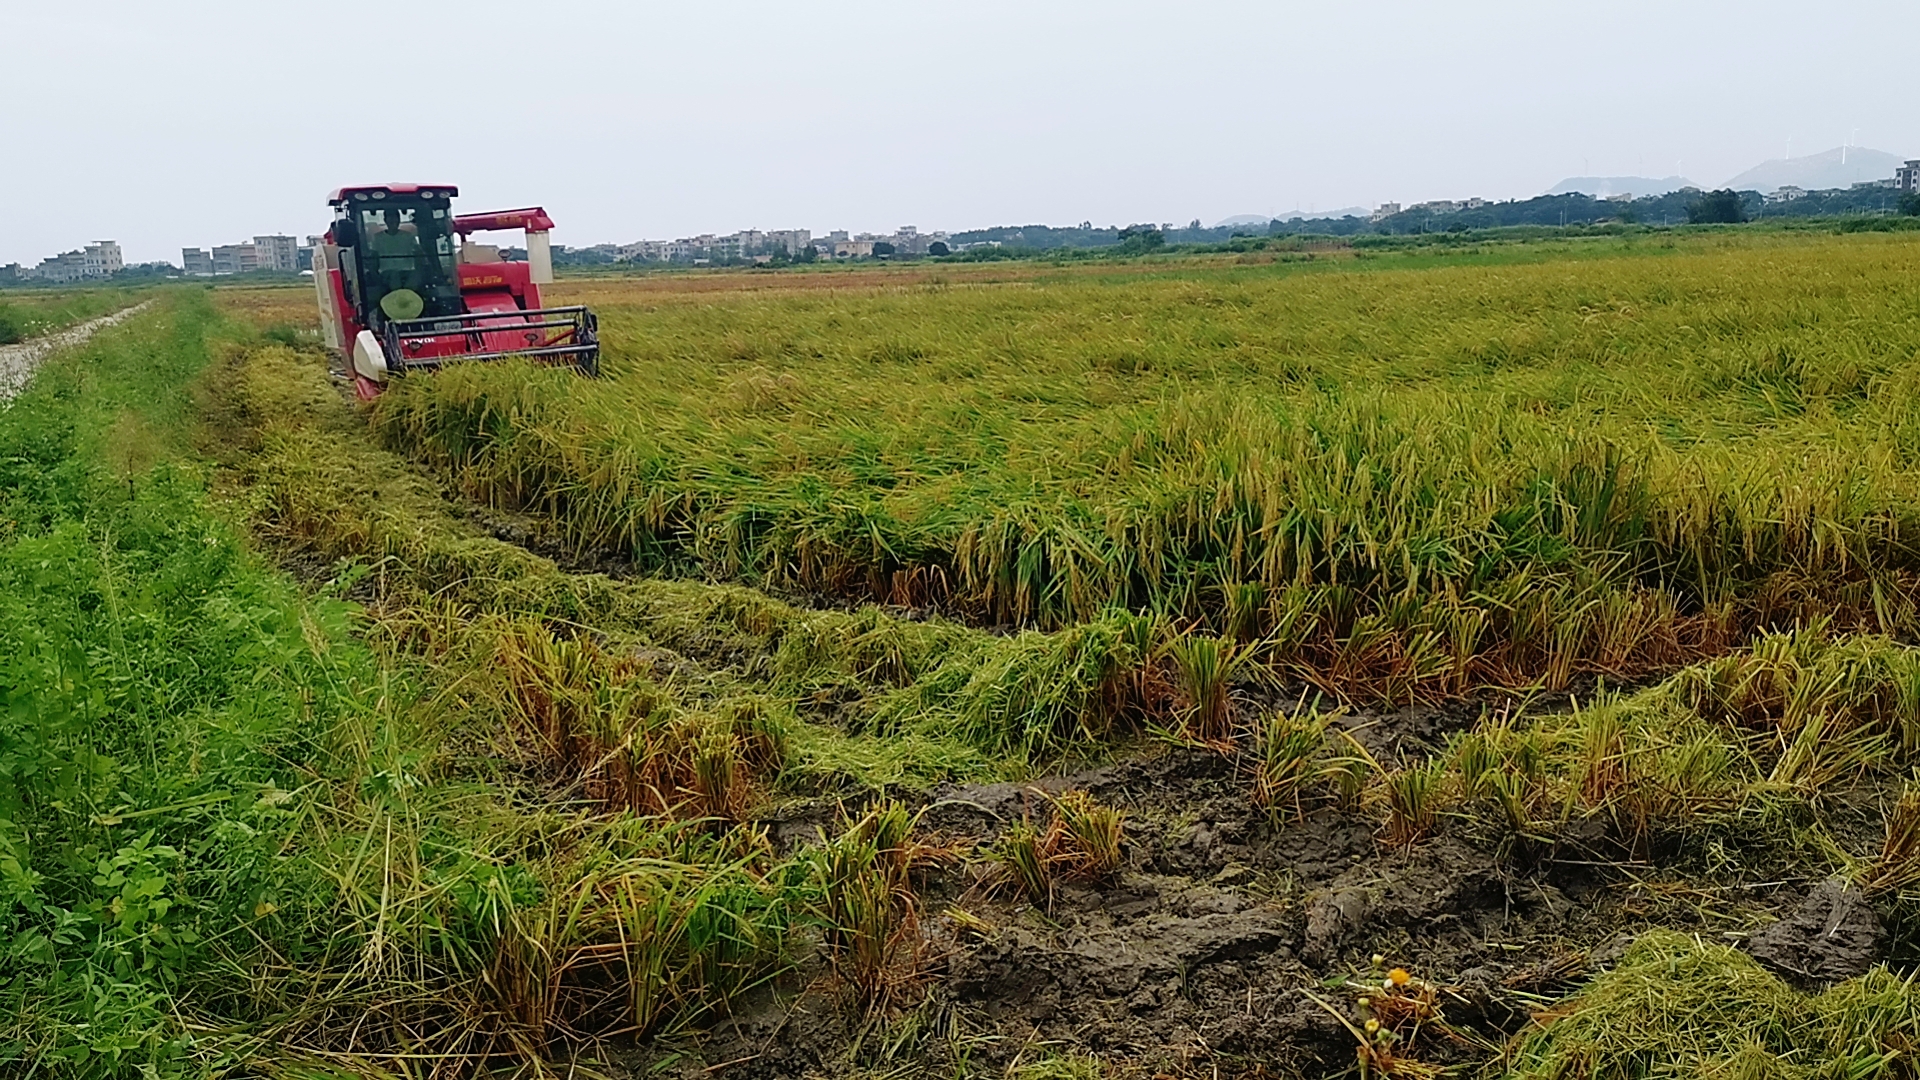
(1393, 484)
(235, 839)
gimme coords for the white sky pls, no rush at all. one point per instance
(197, 122)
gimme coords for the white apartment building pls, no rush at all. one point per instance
(95, 261)
(102, 258)
(277, 253)
(791, 241)
(236, 259)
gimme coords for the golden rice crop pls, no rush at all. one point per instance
(1399, 483)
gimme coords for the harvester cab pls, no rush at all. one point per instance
(403, 289)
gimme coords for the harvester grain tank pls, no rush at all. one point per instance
(403, 288)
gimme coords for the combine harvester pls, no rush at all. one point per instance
(402, 289)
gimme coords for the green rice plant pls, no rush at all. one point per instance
(1020, 856)
(1857, 691)
(1032, 695)
(1515, 796)
(868, 908)
(1290, 746)
(1897, 869)
(1206, 668)
(1603, 769)
(1346, 776)
(1473, 762)
(1082, 842)
(1413, 796)
(624, 739)
(1246, 605)
(1677, 781)
(1814, 760)
(676, 938)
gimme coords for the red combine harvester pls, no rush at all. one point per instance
(402, 289)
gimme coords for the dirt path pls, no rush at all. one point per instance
(18, 361)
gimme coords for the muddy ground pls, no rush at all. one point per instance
(1204, 956)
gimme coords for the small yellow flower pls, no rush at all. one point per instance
(1399, 977)
(1379, 958)
(1373, 1026)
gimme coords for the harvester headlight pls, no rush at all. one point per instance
(379, 194)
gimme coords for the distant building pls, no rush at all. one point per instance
(791, 241)
(1786, 193)
(1385, 210)
(96, 261)
(746, 244)
(66, 266)
(645, 251)
(102, 258)
(195, 262)
(236, 259)
(1907, 177)
(276, 253)
(11, 273)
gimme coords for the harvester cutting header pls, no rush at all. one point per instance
(403, 289)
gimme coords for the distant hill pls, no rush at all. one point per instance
(1640, 187)
(1840, 167)
(1292, 215)
(1324, 215)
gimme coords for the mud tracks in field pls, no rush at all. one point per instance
(1200, 952)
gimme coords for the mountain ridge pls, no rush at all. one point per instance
(1840, 167)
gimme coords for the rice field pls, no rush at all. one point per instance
(1393, 482)
(1484, 661)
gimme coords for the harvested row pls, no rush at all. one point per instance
(1394, 486)
(930, 698)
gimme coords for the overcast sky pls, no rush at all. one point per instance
(198, 122)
